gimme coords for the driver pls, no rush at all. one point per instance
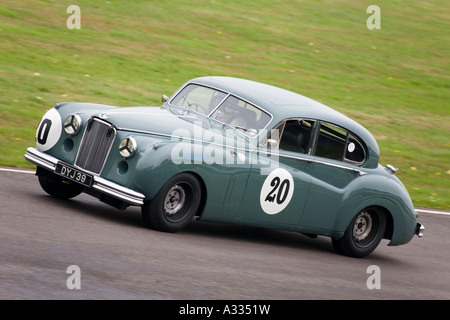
(216, 98)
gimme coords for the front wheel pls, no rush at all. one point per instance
(58, 187)
(363, 234)
(175, 205)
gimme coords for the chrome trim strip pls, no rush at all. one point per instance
(117, 191)
(100, 184)
(311, 160)
(41, 159)
(190, 140)
(360, 172)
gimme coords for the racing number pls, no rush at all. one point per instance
(282, 188)
(49, 130)
(276, 191)
(43, 131)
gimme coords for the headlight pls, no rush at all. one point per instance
(72, 124)
(128, 147)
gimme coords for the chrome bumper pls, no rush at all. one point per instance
(99, 184)
(419, 229)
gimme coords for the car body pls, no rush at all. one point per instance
(229, 150)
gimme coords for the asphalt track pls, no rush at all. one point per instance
(119, 258)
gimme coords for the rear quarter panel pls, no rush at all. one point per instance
(378, 188)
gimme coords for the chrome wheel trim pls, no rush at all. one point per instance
(174, 200)
(363, 226)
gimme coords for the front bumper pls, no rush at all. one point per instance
(99, 184)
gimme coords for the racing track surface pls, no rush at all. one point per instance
(119, 258)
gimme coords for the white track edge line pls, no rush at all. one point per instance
(433, 211)
(418, 210)
(18, 170)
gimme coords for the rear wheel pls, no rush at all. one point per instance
(58, 187)
(175, 205)
(363, 234)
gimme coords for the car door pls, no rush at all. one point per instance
(337, 156)
(278, 184)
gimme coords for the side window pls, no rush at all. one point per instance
(331, 142)
(355, 152)
(336, 143)
(296, 136)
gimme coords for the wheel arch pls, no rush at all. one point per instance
(204, 192)
(389, 220)
(347, 213)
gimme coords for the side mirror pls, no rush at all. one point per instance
(164, 98)
(272, 143)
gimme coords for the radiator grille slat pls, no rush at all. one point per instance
(95, 146)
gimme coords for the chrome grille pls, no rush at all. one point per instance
(95, 146)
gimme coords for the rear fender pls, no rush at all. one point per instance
(400, 226)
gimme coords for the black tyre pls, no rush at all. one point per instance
(363, 234)
(175, 205)
(60, 188)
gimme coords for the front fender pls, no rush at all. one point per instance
(154, 167)
(223, 183)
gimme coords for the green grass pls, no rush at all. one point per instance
(395, 81)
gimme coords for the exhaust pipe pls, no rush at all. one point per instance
(419, 230)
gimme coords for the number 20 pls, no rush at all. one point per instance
(279, 191)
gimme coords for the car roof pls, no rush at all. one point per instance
(283, 104)
(264, 95)
(279, 102)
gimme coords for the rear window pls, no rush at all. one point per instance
(336, 143)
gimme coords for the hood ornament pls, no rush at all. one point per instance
(103, 116)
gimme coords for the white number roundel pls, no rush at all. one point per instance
(277, 191)
(49, 130)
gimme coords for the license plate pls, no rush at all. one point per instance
(74, 174)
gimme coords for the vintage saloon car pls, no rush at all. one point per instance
(229, 150)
